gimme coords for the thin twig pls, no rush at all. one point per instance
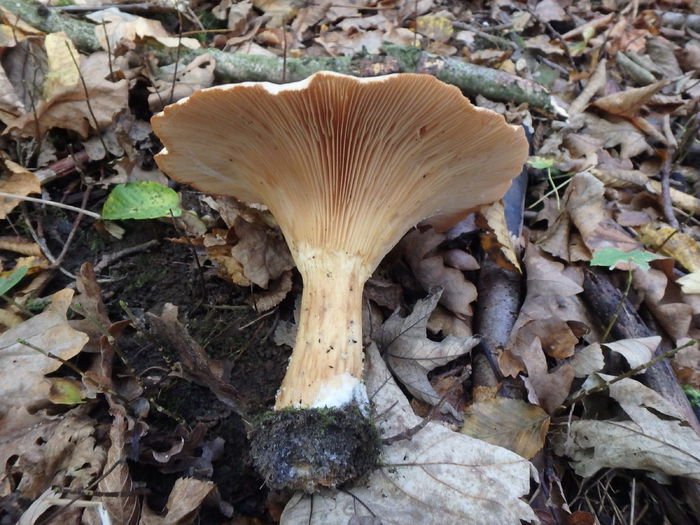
(666, 203)
(109, 258)
(634, 371)
(613, 319)
(87, 97)
(74, 228)
(92, 214)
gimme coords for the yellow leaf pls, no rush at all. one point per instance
(509, 423)
(497, 240)
(435, 27)
(673, 243)
(62, 58)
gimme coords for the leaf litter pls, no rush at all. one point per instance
(157, 367)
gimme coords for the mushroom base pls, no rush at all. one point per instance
(313, 448)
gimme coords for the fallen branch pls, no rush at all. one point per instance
(603, 298)
(234, 67)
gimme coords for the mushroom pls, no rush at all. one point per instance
(346, 166)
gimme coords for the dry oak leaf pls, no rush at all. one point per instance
(585, 203)
(508, 423)
(22, 369)
(420, 249)
(437, 477)
(550, 305)
(411, 355)
(653, 437)
(68, 107)
(617, 131)
(261, 251)
(57, 451)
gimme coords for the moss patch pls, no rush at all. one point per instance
(308, 449)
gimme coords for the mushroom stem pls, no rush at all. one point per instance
(325, 369)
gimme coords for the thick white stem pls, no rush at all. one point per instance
(326, 366)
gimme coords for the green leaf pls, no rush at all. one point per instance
(7, 283)
(141, 200)
(693, 395)
(65, 391)
(611, 257)
(540, 163)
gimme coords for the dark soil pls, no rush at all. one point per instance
(217, 317)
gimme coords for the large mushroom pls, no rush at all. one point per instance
(346, 166)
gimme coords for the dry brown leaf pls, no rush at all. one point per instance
(55, 451)
(279, 11)
(652, 437)
(496, 239)
(628, 103)
(617, 132)
(672, 243)
(664, 299)
(548, 10)
(636, 351)
(411, 355)
(443, 322)
(585, 203)
(550, 307)
(11, 106)
(274, 295)
(125, 29)
(546, 388)
(124, 507)
(68, 108)
(588, 360)
(262, 252)
(428, 265)
(20, 182)
(338, 43)
(22, 369)
(198, 74)
(508, 423)
(20, 245)
(438, 477)
(183, 503)
(686, 364)
(678, 198)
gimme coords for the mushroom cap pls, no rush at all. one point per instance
(343, 163)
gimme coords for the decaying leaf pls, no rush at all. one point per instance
(508, 423)
(63, 59)
(628, 103)
(197, 75)
(22, 369)
(438, 477)
(420, 248)
(68, 106)
(653, 437)
(411, 355)
(673, 243)
(55, 451)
